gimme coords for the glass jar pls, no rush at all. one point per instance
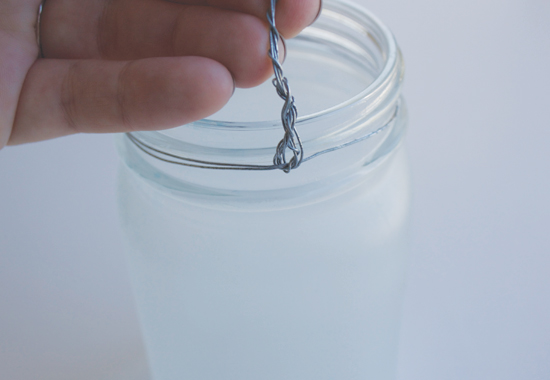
(260, 274)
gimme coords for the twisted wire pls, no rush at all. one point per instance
(38, 26)
(184, 161)
(291, 140)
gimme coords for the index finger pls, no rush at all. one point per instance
(291, 16)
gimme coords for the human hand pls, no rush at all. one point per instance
(125, 65)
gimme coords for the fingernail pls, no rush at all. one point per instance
(283, 43)
(234, 86)
(319, 12)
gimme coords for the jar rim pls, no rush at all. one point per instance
(374, 110)
(389, 50)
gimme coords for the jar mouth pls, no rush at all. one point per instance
(357, 23)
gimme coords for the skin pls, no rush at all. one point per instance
(126, 65)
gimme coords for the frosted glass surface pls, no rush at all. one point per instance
(307, 293)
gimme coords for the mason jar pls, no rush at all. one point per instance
(267, 275)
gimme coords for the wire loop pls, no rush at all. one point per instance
(180, 160)
(291, 141)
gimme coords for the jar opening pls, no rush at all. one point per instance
(346, 56)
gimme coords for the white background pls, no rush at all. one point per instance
(478, 298)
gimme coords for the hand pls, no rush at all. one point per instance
(124, 65)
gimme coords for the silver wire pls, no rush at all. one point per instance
(38, 26)
(180, 160)
(291, 140)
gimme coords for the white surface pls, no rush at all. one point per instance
(478, 300)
